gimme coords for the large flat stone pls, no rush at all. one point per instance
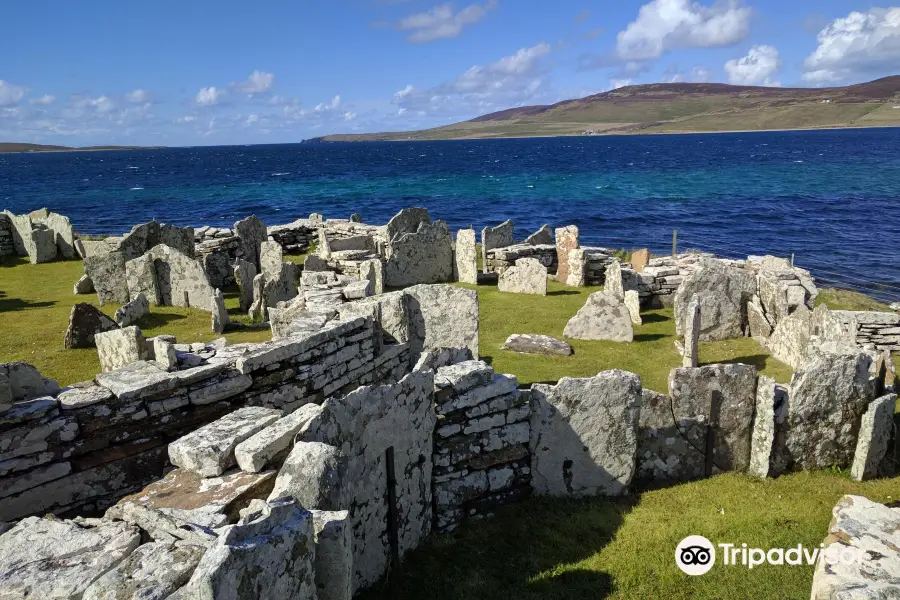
(257, 451)
(152, 572)
(531, 343)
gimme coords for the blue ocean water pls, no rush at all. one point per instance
(831, 198)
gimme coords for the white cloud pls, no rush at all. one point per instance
(442, 22)
(251, 119)
(10, 94)
(333, 105)
(510, 81)
(665, 25)
(209, 96)
(186, 119)
(139, 96)
(45, 100)
(700, 75)
(620, 83)
(759, 67)
(102, 105)
(349, 115)
(862, 43)
(258, 82)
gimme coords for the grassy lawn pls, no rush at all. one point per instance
(652, 354)
(597, 548)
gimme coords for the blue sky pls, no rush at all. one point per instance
(199, 72)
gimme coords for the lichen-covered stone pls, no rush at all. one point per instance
(181, 279)
(441, 316)
(874, 438)
(566, 242)
(530, 343)
(544, 235)
(219, 315)
(244, 273)
(584, 434)
(425, 256)
(790, 338)
(270, 554)
(466, 256)
(724, 292)
(209, 450)
(49, 558)
(868, 530)
(252, 233)
(133, 311)
(603, 317)
(527, 276)
(771, 403)
(693, 322)
(119, 347)
(107, 271)
(334, 555)
(84, 285)
(152, 572)
(315, 474)
(85, 322)
(25, 382)
(140, 278)
(373, 272)
(633, 304)
(257, 451)
(496, 237)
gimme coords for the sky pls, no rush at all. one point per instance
(201, 72)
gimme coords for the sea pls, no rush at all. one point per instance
(829, 199)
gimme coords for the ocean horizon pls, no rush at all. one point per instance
(818, 196)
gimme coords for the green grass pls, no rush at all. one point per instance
(547, 549)
(836, 299)
(652, 355)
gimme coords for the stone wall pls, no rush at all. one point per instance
(880, 329)
(78, 452)
(481, 457)
(500, 259)
(7, 248)
(587, 266)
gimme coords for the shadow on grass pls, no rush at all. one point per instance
(757, 360)
(13, 304)
(649, 337)
(563, 293)
(488, 359)
(159, 319)
(654, 318)
(500, 559)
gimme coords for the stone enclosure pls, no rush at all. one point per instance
(311, 465)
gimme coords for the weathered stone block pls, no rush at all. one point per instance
(85, 322)
(529, 343)
(140, 277)
(133, 311)
(874, 437)
(724, 292)
(107, 271)
(153, 571)
(254, 453)
(119, 347)
(441, 316)
(603, 317)
(528, 276)
(466, 256)
(496, 237)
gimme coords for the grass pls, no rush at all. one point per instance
(651, 356)
(836, 299)
(544, 548)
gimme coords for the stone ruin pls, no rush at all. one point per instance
(41, 235)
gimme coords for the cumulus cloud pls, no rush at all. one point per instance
(186, 119)
(251, 119)
(442, 22)
(862, 43)
(45, 100)
(258, 82)
(759, 67)
(326, 106)
(665, 25)
(349, 115)
(10, 94)
(507, 82)
(208, 96)
(139, 96)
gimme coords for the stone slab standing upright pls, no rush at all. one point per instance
(373, 272)
(692, 335)
(633, 304)
(441, 316)
(133, 311)
(107, 271)
(527, 276)
(85, 322)
(219, 316)
(119, 347)
(613, 281)
(544, 235)
(566, 241)
(244, 273)
(603, 317)
(140, 278)
(874, 438)
(271, 256)
(496, 237)
(724, 292)
(584, 435)
(466, 256)
(252, 233)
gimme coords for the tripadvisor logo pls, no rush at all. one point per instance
(696, 555)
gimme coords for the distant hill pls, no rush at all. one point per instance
(679, 107)
(17, 147)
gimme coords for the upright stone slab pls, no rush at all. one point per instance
(258, 308)
(603, 317)
(441, 316)
(566, 241)
(334, 555)
(252, 233)
(181, 279)
(869, 531)
(25, 382)
(584, 435)
(496, 237)
(771, 407)
(244, 273)
(373, 272)
(527, 276)
(577, 262)
(268, 554)
(133, 311)
(370, 425)
(219, 317)
(757, 321)
(41, 245)
(63, 234)
(640, 259)
(466, 256)
(613, 281)
(829, 394)
(281, 288)
(140, 278)
(790, 339)
(107, 271)
(633, 304)
(874, 438)
(119, 347)
(209, 450)
(721, 397)
(164, 354)
(406, 221)
(544, 235)
(724, 292)
(691, 357)
(85, 322)
(84, 285)
(50, 558)
(271, 256)
(425, 256)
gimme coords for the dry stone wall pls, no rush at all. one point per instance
(500, 259)
(7, 247)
